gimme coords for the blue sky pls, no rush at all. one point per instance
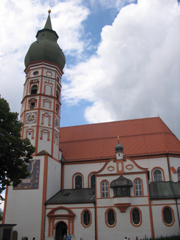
(122, 57)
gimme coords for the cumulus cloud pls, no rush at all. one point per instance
(135, 72)
(20, 21)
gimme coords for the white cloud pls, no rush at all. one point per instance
(20, 20)
(97, 113)
(136, 70)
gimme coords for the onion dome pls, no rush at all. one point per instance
(118, 147)
(46, 47)
(121, 182)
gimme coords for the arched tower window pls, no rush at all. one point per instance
(34, 89)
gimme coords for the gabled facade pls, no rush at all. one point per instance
(83, 180)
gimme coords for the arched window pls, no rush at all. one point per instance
(179, 174)
(104, 187)
(167, 215)
(110, 217)
(138, 187)
(78, 181)
(157, 174)
(136, 217)
(92, 181)
(86, 218)
(34, 89)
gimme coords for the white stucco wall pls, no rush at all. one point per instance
(24, 208)
(53, 178)
(152, 163)
(175, 162)
(123, 227)
(84, 169)
(159, 227)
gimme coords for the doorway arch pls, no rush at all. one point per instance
(61, 229)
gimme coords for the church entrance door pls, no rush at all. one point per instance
(61, 229)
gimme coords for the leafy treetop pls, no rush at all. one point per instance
(15, 152)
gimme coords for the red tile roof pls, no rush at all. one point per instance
(139, 137)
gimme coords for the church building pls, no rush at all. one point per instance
(98, 181)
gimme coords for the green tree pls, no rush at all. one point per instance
(15, 152)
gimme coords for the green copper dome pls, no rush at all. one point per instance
(46, 47)
(118, 147)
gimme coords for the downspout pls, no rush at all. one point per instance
(62, 165)
(95, 205)
(44, 221)
(95, 219)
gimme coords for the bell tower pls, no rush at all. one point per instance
(40, 114)
(41, 101)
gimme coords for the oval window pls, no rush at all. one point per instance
(167, 215)
(86, 218)
(136, 216)
(110, 217)
(35, 73)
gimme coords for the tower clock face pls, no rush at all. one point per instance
(30, 117)
(56, 122)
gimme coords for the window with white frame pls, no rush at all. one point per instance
(104, 187)
(138, 187)
(157, 175)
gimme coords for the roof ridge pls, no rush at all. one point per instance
(137, 119)
(126, 136)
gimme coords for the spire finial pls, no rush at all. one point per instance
(48, 21)
(117, 137)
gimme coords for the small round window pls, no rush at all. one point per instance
(35, 73)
